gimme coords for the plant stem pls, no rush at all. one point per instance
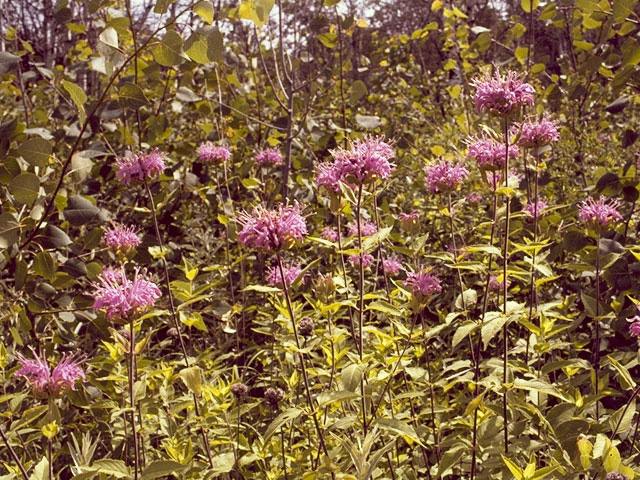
(174, 315)
(596, 341)
(301, 358)
(13, 454)
(361, 306)
(132, 400)
(505, 261)
(534, 273)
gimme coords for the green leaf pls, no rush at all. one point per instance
(399, 428)
(491, 328)
(351, 377)
(41, 470)
(192, 378)
(109, 36)
(623, 416)
(529, 5)
(539, 386)
(162, 6)
(168, 52)
(25, 187)
(462, 332)
(612, 459)
(623, 9)
(79, 210)
(368, 121)
(330, 3)
(53, 237)
(9, 230)
(327, 398)
(280, 420)
(256, 10)
(470, 298)
(132, 96)
(204, 10)
(117, 468)
(328, 39)
(35, 151)
(357, 91)
(77, 95)
(384, 307)
(626, 381)
(7, 62)
(161, 468)
(374, 240)
(205, 46)
(80, 167)
(261, 289)
(45, 265)
(513, 468)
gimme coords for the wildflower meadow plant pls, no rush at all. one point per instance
(272, 230)
(209, 152)
(121, 238)
(268, 156)
(422, 285)
(51, 382)
(140, 166)
(502, 95)
(445, 176)
(291, 273)
(489, 154)
(536, 134)
(599, 215)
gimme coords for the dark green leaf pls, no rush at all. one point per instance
(80, 210)
(7, 62)
(25, 187)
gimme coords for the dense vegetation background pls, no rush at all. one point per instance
(349, 374)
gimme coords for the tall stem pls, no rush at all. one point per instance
(361, 306)
(301, 358)
(596, 341)
(174, 315)
(505, 261)
(14, 455)
(132, 400)
(533, 305)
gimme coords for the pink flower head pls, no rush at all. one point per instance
(111, 274)
(45, 382)
(535, 209)
(121, 297)
(489, 154)
(634, 327)
(328, 176)
(537, 134)
(391, 265)
(121, 238)
(422, 284)
(269, 156)
(209, 152)
(330, 234)
(366, 160)
(497, 283)
(600, 214)
(367, 260)
(272, 230)
(502, 94)
(366, 227)
(291, 272)
(140, 166)
(474, 198)
(444, 176)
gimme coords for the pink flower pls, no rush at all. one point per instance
(634, 327)
(272, 230)
(600, 214)
(121, 297)
(140, 166)
(269, 156)
(391, 265)
(537, 134)
(330, 234)
(445, 176)
(474, 198)
(367, 260)
(422, 284)
(497, 283)
(328, 176)
(121, 238)
(502, 94)
(111, 274)
(489, 154)
(366, 160)
(291, 272)
(535, 209)
(209, 152)
(409, 222)
(45, 382)
(366, 227)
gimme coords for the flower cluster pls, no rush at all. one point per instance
(474, 198)
(444, 176)
(269, 156)
(601, 214)
(497, 282)
(291, 272)
(367, 228)
(330, 234)
(535, 209)
(209, 152)
(366, 160)
(422, 284)
(272, 230)
(537, 134)
(366, 259)
(502, 94)
(273, 396)
(489, 154)
(121, 238)
(391, 265)
(121, 297)
(140, 166)
(45, 381)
